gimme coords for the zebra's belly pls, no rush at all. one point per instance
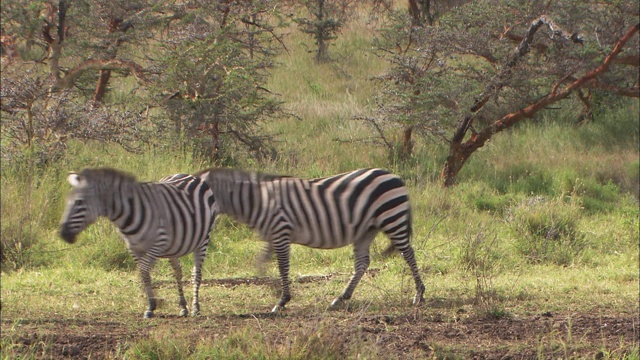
(137, 245)
(180, 248)
(321, 240)
(160, 244)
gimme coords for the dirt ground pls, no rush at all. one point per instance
(416, 338)
(410, 336)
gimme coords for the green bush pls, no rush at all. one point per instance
(492, 203)
(633, 175)
(594, 196)
(548, 232)
(20, 238)
(27, 219)
(531, 180)
(480, 195)
(600, 197)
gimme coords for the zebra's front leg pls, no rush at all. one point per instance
(196, 277)
(282, 254)
(177, 270)
(145, 265)
(361, 266)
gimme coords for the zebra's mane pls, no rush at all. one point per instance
(107, 175)
(234, 175)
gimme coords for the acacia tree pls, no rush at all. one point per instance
(64, 49)
(425, 12)
(462, 81)
(209, 59)
(326, 19)
(214, 62)
(106, 37)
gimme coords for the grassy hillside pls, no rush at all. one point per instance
(544, 220)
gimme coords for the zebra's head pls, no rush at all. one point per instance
(81, 210)
(91, 192)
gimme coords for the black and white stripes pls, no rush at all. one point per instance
(167, 219)
(327, 213)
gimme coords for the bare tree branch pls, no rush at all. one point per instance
(376, 126)
(94, 65)
(628, 92)
(631, 60)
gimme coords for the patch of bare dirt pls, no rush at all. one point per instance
(429, 332)
(66, 338)
(403, 336)
(272, 281)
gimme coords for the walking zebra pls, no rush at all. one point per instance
(327, 213)
(167, 219)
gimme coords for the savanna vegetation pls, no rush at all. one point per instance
(519, 145)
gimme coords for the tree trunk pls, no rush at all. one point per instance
(414, 11)
(322, 54)
(215, 140)
(426, 11)
(459, 152)
(407, 143)
(101, 88)
(420, 10)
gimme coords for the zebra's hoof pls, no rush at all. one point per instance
(337, 304)
(418, 300)
(184, 312)
(277, 309)
(195, 313)
(148, 314)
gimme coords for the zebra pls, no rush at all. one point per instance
(166, 219)
(324, 213)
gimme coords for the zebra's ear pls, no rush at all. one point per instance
(74, 179)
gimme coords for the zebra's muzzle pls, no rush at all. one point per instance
(67, 235)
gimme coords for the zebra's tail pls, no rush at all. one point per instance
(389, 250)
(392, 248)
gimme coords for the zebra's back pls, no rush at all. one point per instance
(323, 213)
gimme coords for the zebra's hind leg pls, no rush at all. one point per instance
(361, 254)
(410, 258)
(282, 254)
(196, 278)
(264, 258)
(177, 270)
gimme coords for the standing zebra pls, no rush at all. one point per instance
(328, 213)
(167, 219)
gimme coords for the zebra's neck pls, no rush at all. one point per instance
(118, 206)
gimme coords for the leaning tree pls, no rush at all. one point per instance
(487, 65)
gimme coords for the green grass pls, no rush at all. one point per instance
(544, 219)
